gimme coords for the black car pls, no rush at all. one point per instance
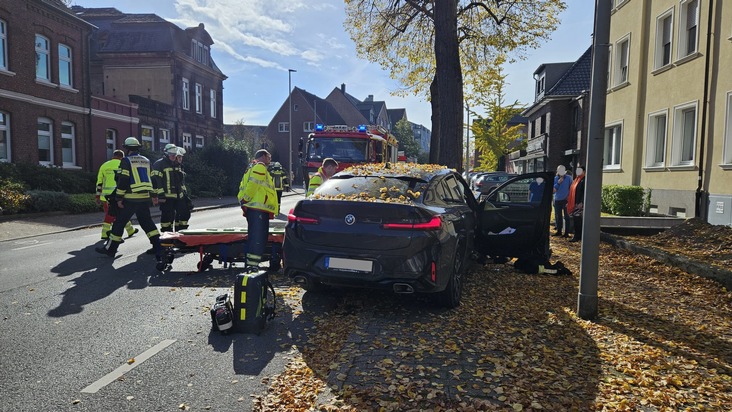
(407, 228)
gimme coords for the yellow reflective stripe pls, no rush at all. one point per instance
(243, 314)
(243, 297)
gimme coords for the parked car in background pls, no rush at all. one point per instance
(408, 228)
(489, 181)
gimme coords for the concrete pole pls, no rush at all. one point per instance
(587, 298)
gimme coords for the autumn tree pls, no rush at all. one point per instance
(493, 136)
(432, 47)
(405, 136)
(248, 138)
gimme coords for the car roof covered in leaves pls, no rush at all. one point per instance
(414, 170)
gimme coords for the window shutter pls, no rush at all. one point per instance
(691, 13)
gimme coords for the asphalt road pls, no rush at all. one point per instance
(82, 332)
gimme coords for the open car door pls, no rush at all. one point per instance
(513, 219)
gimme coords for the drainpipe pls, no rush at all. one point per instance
(701, 194)
(87, 81)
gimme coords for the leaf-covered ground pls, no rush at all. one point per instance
(662, 342)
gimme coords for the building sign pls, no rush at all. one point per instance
(535, 145)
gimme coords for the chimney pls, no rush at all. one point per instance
(370, 98)
(343, 88)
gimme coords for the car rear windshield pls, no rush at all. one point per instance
(372, 188)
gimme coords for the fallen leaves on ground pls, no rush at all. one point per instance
(662, 342)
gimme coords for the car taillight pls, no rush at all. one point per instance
(299, 219)
(432, 224)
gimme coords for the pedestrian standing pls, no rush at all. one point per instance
(575, 203)
(106, 183)
(169, 182)
(562, 184)
(258, 201)
(134, 193)
(325, 172)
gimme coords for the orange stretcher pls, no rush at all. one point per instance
(227, 246)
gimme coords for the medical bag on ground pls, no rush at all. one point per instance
(222, 314)
(254, 302)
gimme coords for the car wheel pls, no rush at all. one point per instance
(450, 297)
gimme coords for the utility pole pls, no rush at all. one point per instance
(589, 265)
(289, 124)
(467, 140)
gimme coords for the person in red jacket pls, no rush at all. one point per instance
(575, 202)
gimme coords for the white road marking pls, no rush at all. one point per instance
(117, 373)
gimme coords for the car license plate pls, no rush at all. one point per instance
(349, 264)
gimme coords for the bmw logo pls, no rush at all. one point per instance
(350, 219)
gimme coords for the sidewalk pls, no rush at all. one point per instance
(15, 227)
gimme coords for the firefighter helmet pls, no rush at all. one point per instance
(132, 142)
(169, 148)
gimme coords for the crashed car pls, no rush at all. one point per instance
(405, 227)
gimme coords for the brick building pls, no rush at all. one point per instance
(44, 88)
(166, 71)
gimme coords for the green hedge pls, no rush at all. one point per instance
(83, 203)
(622, 200)
(48, 201)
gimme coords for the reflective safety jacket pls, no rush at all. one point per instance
(169, 179)
(106, 178)
(256, 190)
(134, 181)
(316, 181)
(280, 179)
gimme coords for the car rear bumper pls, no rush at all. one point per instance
(398, 270)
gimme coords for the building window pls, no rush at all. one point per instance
(656, 146)
(283, 127)
(684, 135)
(187, 141)
(164, 137)
(542, 130)
(199, 98)
(613, 146)
(111, 140)
(540, 84)
(3, 46)
(68, 144)
(622, 55)
(4, 137)
(727, 159)
(199, 52)
(199, 140)
(186, 94)
(664, 32)
(308, 127)
(689, 26)
(45, 141)
(65, 73)
(147, 137)
(43, 68)
(212, 94)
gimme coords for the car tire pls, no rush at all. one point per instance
(451, 296)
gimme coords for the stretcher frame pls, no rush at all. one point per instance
(226, 246)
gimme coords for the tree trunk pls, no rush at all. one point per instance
(435, 137)
(449, 84)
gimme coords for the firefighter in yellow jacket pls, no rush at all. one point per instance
(325, 172)
(106, 183)
(259, 204)
(134, 192)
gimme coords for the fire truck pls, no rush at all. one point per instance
(347, 145)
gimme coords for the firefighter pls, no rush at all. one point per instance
(105, 187)
(170, 187)
(134, 192)
(325, 171)
(258, 202)
(281, 182)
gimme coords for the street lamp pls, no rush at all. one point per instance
(289, 125)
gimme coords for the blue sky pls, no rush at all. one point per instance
(257, 41)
